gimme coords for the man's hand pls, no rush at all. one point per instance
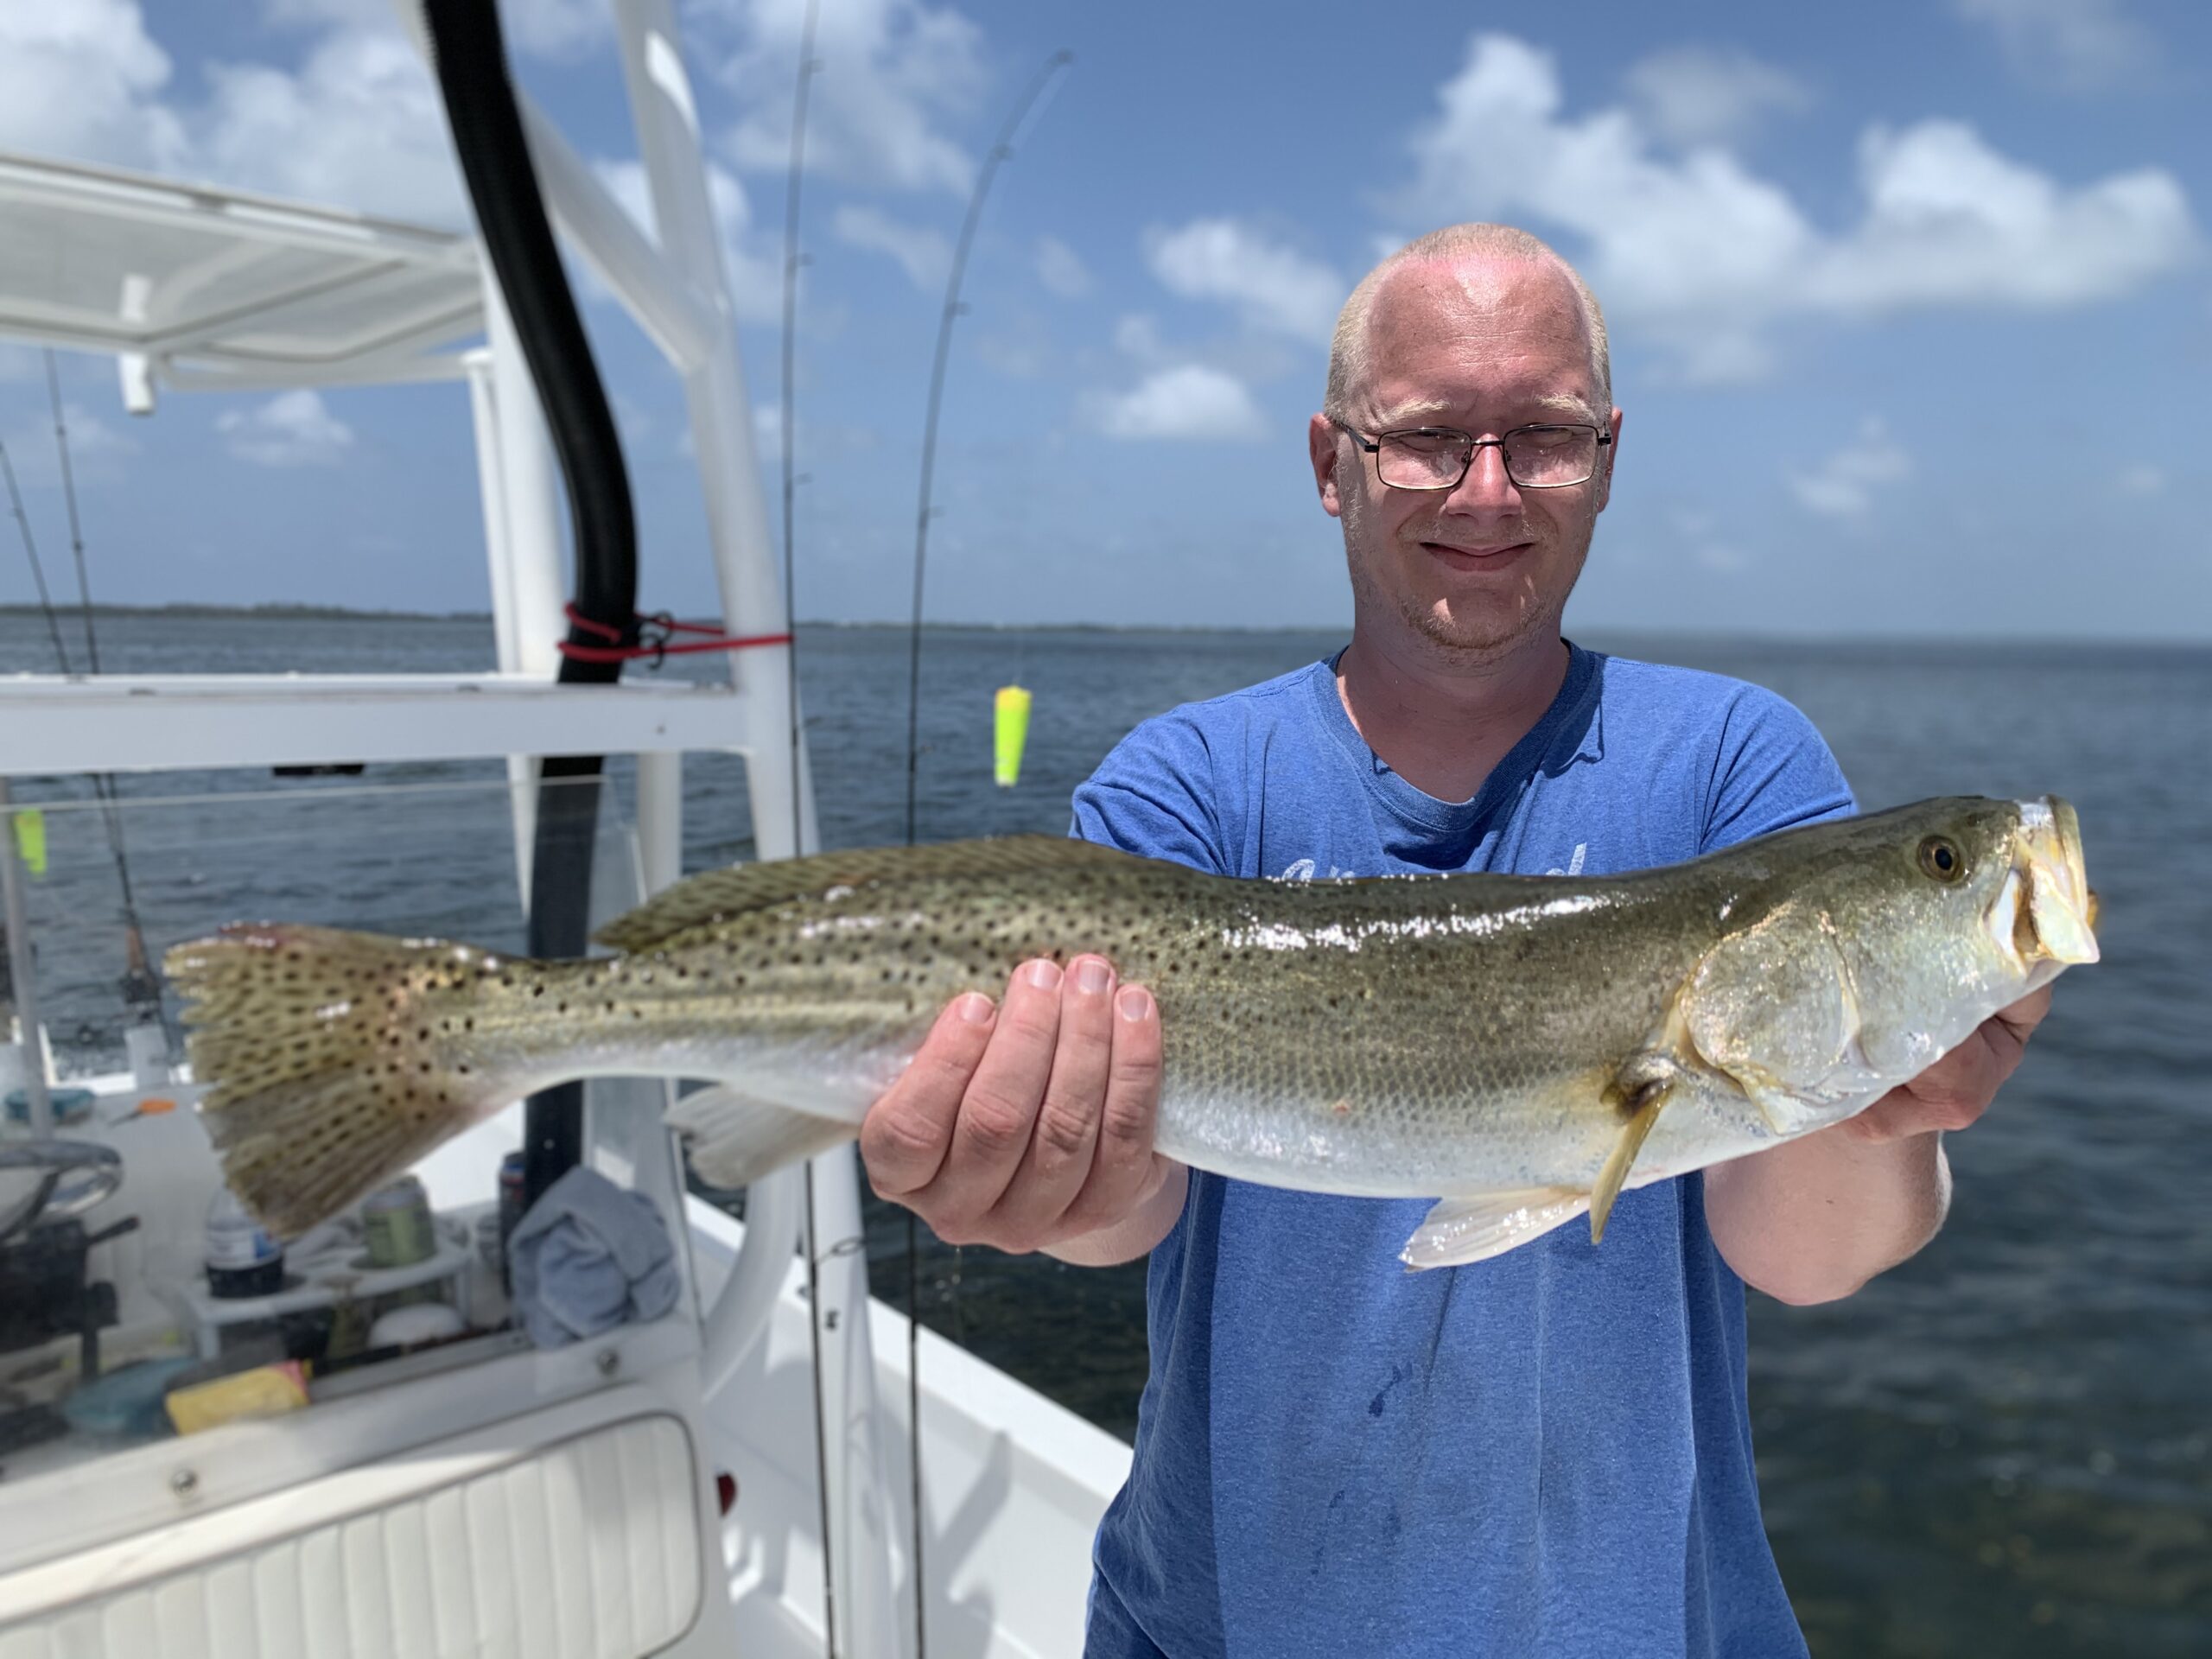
(1814, 1218)
(1030, 1126)
(1957, 1089)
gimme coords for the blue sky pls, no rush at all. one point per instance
(1899, 294)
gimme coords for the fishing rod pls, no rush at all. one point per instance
(141, 985)
(808, 66)
(1001, 151)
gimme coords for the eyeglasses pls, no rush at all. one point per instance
(1438, 457)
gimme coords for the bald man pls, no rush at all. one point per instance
(1547, 1453)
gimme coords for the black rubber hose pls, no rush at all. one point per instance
(470, 62)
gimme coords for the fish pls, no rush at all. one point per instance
(1519, 1049)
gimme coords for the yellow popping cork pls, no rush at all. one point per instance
(30, 828)
(1012, 733)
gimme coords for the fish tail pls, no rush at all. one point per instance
(327, 1060)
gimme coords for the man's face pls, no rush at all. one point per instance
(1485, 346)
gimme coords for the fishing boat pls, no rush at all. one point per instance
(358, 1450)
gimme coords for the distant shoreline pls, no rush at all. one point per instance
(1597, 634)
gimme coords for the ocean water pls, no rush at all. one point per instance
(2004, 1446)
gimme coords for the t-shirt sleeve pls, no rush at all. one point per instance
(1154, 795)
(1772, 771)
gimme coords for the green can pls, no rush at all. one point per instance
(397, 1221)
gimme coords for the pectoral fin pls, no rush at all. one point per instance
(734, 1140)
(1463, 1230)
(1644, 1112)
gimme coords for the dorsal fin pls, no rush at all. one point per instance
(715, 895)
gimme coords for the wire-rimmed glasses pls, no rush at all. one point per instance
(1543, 457)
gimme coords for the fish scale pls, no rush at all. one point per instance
(1519, 1047)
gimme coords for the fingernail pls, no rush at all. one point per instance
(1133, 1003)
(976, 1008)
(1092, 976)
(1044, 975)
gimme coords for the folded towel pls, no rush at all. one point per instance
(587, 1258)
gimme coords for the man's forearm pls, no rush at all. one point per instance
(1814, 1219)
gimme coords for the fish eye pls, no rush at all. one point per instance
(1941, 858)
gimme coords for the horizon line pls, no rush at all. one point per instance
(274, 609)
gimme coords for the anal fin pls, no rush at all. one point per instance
(1463, 1230)
(1644, 1112)
(734, 1140)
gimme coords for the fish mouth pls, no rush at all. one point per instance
(2058, 920)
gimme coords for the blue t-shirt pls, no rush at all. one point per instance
(1544, 1454)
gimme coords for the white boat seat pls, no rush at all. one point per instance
(587, 1548)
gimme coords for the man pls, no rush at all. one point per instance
(1547, 1453)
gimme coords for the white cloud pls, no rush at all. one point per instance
(1692, 95)
(93, 444)
(922, 253)
(81, 79)
(1705, 256)
(359, 125)
(2143, 479)
(1949, 221)
(547, 28)
(2077, 46)
(755, 275)
(1059, 269)
(1271, 286)
(1844, 485)
(291, 430)
(893, 70)
(1189, 400)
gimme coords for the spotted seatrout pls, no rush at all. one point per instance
(1522, 1046)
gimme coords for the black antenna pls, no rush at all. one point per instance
(1000, 151)
(807, 66)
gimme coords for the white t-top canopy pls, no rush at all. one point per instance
(209, 287)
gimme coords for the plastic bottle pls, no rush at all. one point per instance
(242, 1260)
